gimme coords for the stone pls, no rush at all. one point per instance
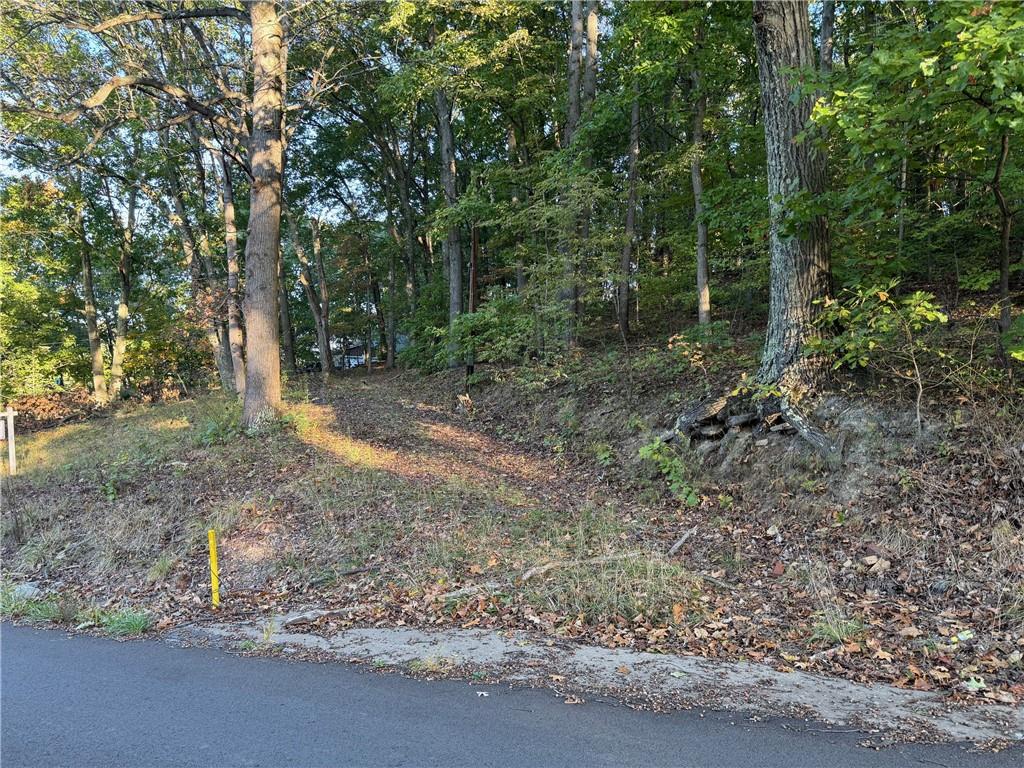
(26, 591)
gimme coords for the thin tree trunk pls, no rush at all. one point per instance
(590, 65)
(285, 318)
(99, 383)
(262, 247)
(315, 294)
(216, 305)
(124, 267)
(626, 260)
(326, 357)
(453, 242)
(800, 269)
(1005, 223)
(515, 158)
(828, 30)
(236, 340)
(569, 294)
(392, 308)
(697, 181)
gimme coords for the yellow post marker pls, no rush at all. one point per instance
(214, 572)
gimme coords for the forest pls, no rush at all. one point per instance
(643, 241)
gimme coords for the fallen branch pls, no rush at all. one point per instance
(682, 540)
(540, 570)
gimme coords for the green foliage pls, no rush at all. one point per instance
(873, 322)
(500, 332)
(222, 428)
(1013, 339)
(671, 466)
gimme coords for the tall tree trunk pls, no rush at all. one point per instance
(590, 65)
(99, 383)
(1005, 223)
(569, 293)
(697, 181)
(453, 241)
(392, 308)
(828, 30)
(324, 296)
(236, 340)
(124, 267)
(626, 260)
(315, 289)
(800, 269)
(516, 159)
(285, 318)
(216, 304)
(262, 247)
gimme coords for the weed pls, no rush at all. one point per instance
(161, 568)
(604, 454)
(833, 630)
(221, 429)
(124, 622)
(672, 468)
(430, 665)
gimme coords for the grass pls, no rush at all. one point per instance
(124, 622)
(834, 630)
(67, 609)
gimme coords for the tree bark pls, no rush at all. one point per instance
(124, 267)
(590, 65)
(262, 247)
(828, 30)
(99, 383)
(800, 269)
(453, 241)
(626, 260)
(697, 182)
(236, 340)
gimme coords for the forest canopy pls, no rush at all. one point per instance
(208, 194)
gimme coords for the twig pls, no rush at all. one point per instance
(682, 540)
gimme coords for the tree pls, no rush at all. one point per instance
(263, 244)
(800, 275)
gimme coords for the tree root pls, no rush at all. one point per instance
(713, 416)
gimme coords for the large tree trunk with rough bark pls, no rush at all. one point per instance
(453, 240)
(697, 182)
(236, 340)
(262, 340)
(124, 267)
(800, 271)
(626, 260)
(99, 383)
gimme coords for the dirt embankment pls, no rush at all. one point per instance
(528, 506)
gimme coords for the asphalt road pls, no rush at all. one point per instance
(81, 701)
